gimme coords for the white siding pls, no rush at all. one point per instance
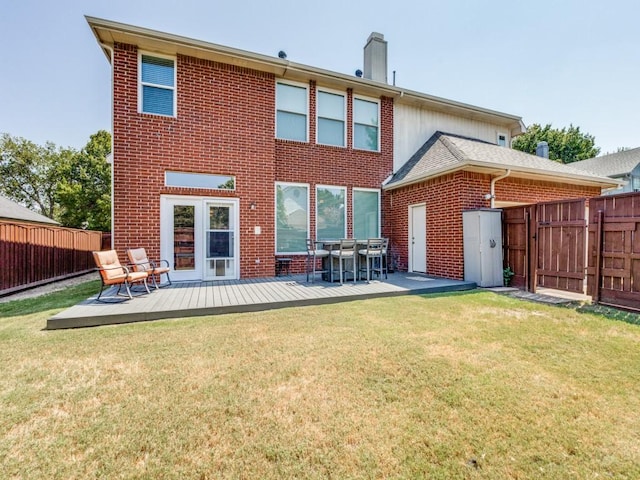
(413, 126)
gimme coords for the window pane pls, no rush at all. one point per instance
(292, 218)
(291, 99)
(330, 105)
(157, 70)
(365, 137)
(219, 244)
(157, 100)
(331, 132)
(183, 237)
(366, 210)
(330, 213)
(365, 112)
(219, 218)
(199, 180)
(292, 126)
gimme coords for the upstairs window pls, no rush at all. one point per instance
(157, 85)
(502, 139)
(291, 112)
(331, 115)
(366, 119)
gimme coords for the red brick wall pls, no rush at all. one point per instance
(446, 197)
(338, 166)
(225, 124)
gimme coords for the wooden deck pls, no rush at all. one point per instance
(188, 299)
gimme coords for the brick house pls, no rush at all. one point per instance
(224, 159)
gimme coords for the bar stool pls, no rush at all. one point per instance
(313, 253)
(346, 253)
(372, 255)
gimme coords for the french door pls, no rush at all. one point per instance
(199, 237)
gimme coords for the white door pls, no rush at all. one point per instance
(418, 238)
(198, 237)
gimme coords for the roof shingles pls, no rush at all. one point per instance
(445, 152)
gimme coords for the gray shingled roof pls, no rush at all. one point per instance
(612, 165)
(445, 152)
(13, 211)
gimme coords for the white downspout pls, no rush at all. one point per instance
(493, 187)
(111, 53)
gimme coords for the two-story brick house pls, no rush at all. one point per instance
(223, 159)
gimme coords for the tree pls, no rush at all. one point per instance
(565, 146)
(29, 173)
(61, 183)
(83, 191)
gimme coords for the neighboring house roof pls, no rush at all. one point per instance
(445, 153)
(108, 33)
(13, 211)
(611, 165)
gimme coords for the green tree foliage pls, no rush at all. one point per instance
(29, 173)
(565, 145)
(83, 191)
(61, 183)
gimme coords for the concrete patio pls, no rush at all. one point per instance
(188, 299)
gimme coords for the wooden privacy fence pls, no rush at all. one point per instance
(613, 269)
(544, 245)
(36, 254)
(556, 245)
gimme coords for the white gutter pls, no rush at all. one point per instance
(110, 49)
(493, 186)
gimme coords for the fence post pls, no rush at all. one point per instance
(598, 267)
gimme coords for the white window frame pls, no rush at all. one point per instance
(506, 139)
(353, 125)
(174, 88)
(275, 199)
(337, 187)
(299, 85)
(344, 115)
(353, 208)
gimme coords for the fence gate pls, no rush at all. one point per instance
(613, 273)
(561, 245)
(545, 245)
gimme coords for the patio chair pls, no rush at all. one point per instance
(141, 263)
(372, 256)
(313, 253)
(113, 273)
(346, 255)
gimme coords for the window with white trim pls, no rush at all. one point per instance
(331, 214)
(366, 119)
(291, 111)
(331, 118)
(157, 91)
(366, 213)
(292, 217)
(501, 139)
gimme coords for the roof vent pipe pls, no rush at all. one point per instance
(542, 149)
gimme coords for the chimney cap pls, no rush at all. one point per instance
(376, 36)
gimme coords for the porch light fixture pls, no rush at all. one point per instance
(252, 206)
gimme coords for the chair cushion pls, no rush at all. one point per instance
(109, 264)
(139, 260)
(320, 253)
(364, 251)
(338, 253)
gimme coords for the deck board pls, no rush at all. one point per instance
(184, 299)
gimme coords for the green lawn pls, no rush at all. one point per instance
(469, 385)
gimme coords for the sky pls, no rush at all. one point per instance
(561, 62)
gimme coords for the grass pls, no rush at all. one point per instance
(470, 386)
